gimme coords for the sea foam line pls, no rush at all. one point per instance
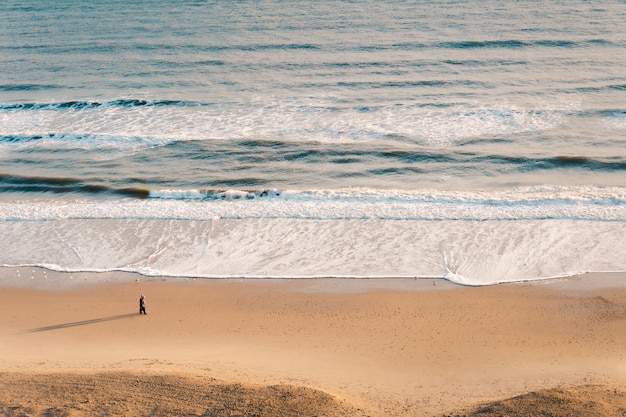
(312, 120)
(576, 203)
(152, 273)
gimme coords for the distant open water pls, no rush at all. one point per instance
(481, 142)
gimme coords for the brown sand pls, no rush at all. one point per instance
(588, 401)
(321, 347)
(128, 394)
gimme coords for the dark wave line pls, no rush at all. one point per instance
(16, 184)
(118, 48)
(615, 164)
(49, 181)
(93, 189)
(406, 84)
(483, 63)
(513, 44)
(252, 47)
(27, 87)
(67, 141)
(524, 164)
(63, 185)
(68, 185)
(612, 164)
(78, 105)
(505, 44)
(299, 66)
(21, 138)
(260, 150)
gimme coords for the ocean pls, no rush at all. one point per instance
(480, 142)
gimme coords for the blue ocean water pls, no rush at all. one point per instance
(480, 142)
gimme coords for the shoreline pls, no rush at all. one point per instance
(42, 278)
(387, 349)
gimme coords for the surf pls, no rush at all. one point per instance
(462, 251)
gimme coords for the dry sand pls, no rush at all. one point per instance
(314, 347)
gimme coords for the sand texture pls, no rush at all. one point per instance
(126, 394)
(321, 347)
(587, 400)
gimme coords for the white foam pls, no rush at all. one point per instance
(468, 237)
(302, 119)
(465, 252)
(178, 194)
(576, 203)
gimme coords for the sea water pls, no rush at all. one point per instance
(477, 141)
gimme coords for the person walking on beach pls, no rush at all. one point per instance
(142, 306)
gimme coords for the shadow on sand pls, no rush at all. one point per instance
(81, 323)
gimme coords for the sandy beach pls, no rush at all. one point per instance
(313, 347)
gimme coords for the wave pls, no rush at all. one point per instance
(323, 120)
(320, 105)
(64, 185)
(10, 183)
(525, 196)
(522, 163)
(214, 194)
(371, 161)
(309, 46)
(380, 152)
(406, 84)
(52, 142)
(79, 105)
(138, 46)
(528, 203)
(27, 87)
(501, 44)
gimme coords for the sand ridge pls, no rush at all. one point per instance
(585, 400)
(128, 394)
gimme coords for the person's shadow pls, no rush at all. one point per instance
(80, 323)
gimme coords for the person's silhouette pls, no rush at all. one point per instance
(142, 306)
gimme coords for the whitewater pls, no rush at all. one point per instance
(477, 142)
(468, 238)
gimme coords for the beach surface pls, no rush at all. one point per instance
(311, 347)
